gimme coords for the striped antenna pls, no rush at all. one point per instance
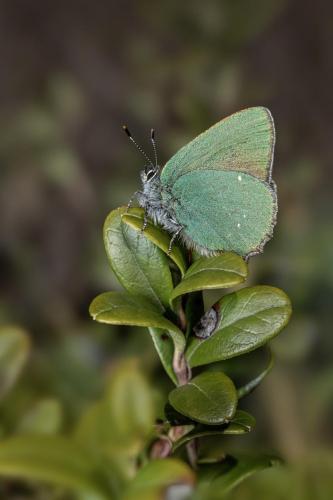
(152, 138)
(139, 148)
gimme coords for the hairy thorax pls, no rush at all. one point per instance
(156, 206)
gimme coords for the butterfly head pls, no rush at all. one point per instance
(150, 174)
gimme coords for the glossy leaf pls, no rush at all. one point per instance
(168, 478)
(248, 319)
(210, 398)
(253, 384)
(222, 271)
(45, 417)
(165, 349)
(218, 480)
(243, 419)
(241, 423)
(140, 266)
(157, 235)
(14, 351)
(121, 308)
(52, 459)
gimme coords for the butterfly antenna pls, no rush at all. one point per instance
(139, 148)
(152, 138)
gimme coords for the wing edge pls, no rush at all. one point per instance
(268, 179)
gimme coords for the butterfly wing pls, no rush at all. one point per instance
(243, 141)
(224, 210)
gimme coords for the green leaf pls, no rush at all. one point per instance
(121, 308)
(253, 384)
(14, 351)
(45, 417)
(122, 420)
(93, 429)
(248, 319)
(210, 398)
(222, 271)
(165, 349)
(115, 457)
(130, 403)
(243, 419)
(158, 236)
(241, 423)
(116, 429)
(217, 480)
(167, 478)
(51, 459)
(140, 266)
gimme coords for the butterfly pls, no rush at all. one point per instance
(216, 193)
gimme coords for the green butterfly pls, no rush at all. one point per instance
(217, 192)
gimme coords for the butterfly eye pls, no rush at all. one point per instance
(150, 174)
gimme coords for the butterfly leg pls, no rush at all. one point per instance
(174, 236)
(132, 198)
(145, 221)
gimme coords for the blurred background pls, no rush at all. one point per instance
(72, 72)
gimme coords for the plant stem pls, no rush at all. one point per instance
(161, 448)
(181, 368)
(184, 375)
(191, 449)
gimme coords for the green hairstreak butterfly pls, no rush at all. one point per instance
(217, 192)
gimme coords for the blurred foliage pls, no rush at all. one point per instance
(309, 478)
(73, 72)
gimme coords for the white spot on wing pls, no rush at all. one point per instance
(238, 225)
(239, 177)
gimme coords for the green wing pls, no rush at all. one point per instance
(243, 141)
(224, 210)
